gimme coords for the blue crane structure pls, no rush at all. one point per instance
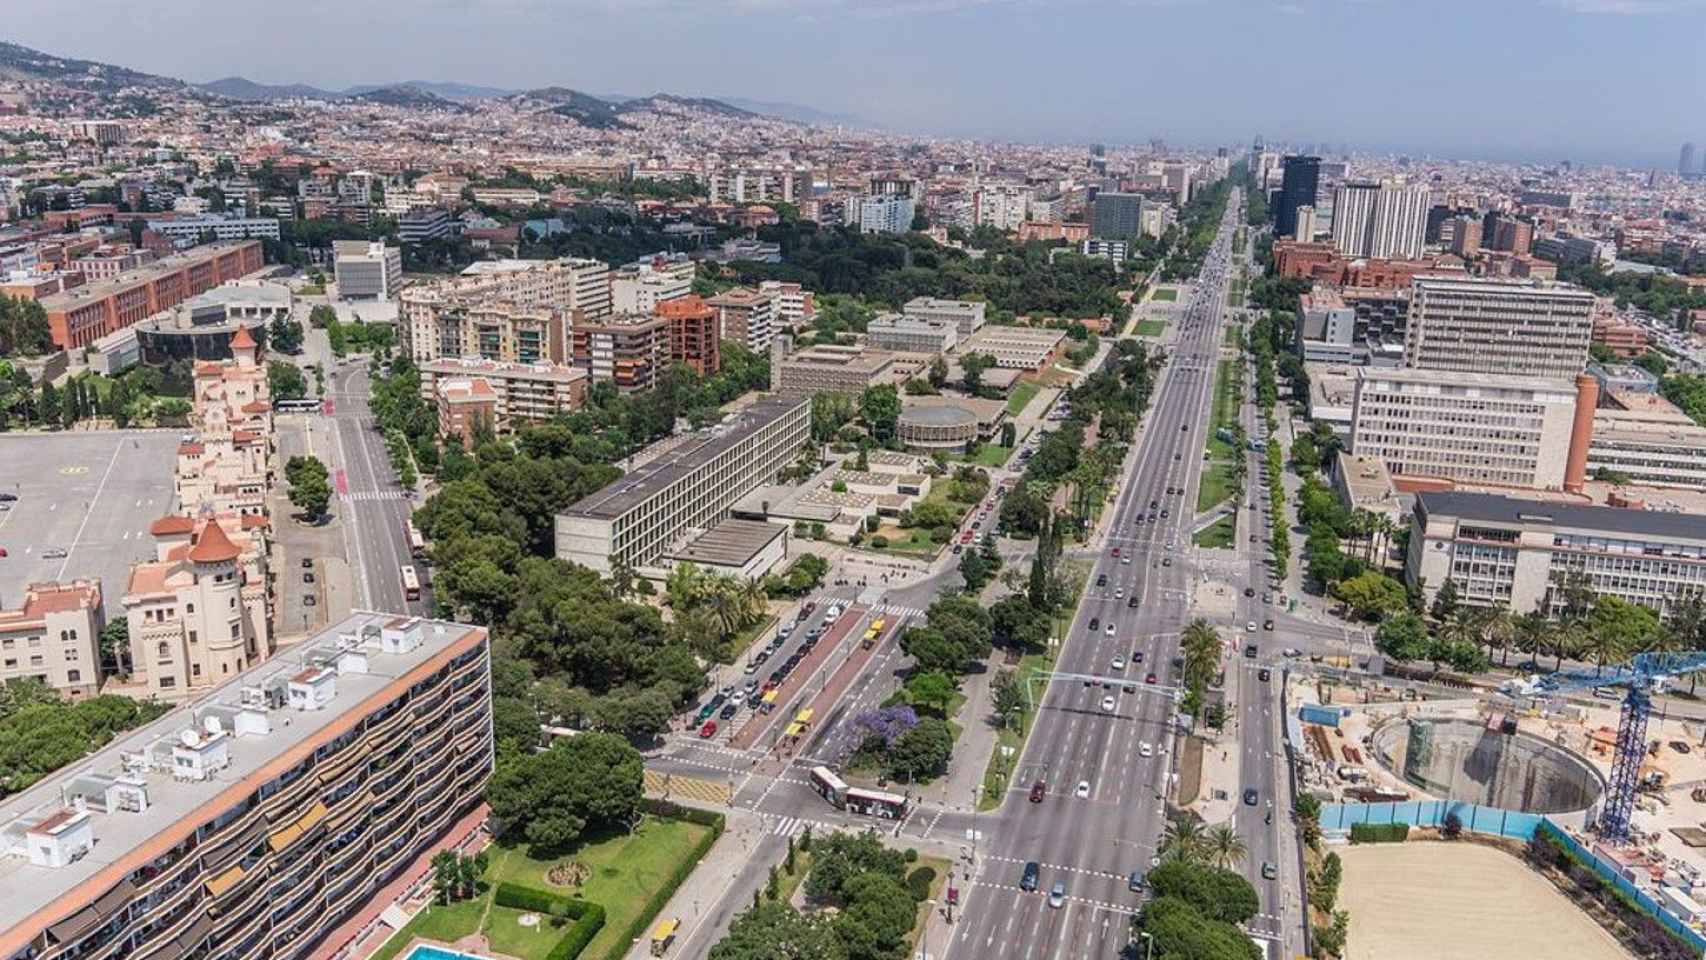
(1641, 676)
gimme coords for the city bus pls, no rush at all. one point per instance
(417, 545)
(829, 786)
(411, 584)
(871, 803)
(296, 406)
(876, 803)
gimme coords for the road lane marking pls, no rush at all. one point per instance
(70, 551)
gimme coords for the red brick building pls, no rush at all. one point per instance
(81, 316)
(695, 337)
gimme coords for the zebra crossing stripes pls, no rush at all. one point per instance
(788, 826)
(373, 495)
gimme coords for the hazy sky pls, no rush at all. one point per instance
(1618, 80)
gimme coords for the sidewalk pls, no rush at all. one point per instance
(710, 884)
(959, 789)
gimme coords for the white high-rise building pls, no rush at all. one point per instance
(1002, 205)
(1388, 220)
(1400, 221)
(1353, 217)
(890, 213)
(1306, 223)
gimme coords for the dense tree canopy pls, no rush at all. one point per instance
(591, 781)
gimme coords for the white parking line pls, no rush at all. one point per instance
(89, 512)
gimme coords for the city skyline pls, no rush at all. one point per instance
(934, 76)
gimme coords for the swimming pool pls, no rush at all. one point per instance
(426, 951)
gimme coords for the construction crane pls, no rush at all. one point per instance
(1641, 676)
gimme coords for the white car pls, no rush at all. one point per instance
(1143, 750)
(1119, 663)
(1107, 704)
(1250, 626)
(1109, 630)
(1119, 593)
(1126, 561)
(1083, 791)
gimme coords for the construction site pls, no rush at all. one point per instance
(1500, 761)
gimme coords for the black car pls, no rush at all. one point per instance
(1134, 883)
(307, 563)
(1249, 591)
(1250, 651)
(8, 498)
(1264, 675)
(1249, 796)
(729, 710)
(1102, 580)
(1095, 623)
(1132, 601)
(1028, 882)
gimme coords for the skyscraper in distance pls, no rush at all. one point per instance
(1685, 164)
(1299, 181)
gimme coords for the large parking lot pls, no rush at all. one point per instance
(91, 495)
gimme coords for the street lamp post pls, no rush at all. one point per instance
(1149, 944)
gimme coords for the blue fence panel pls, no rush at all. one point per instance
(1431, 813)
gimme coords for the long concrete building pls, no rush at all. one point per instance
(78, 317)
(258, 819)
(1516, 552)
(1429, 426)
(644, 513)
(1505, 329)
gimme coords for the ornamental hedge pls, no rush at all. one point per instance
(588, 917)
(1379, 832)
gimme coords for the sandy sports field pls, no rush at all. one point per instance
(1459, 901)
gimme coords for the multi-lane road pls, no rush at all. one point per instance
(1107, 772)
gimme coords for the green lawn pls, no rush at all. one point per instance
(1022, 393)
(1165, 294)
(1218, 535)
(1234, 338)
(1227, 383)
(445, 924)
(1151, 328)
(505, 932)
(989, 455)
(626, 870)
(1216, 486)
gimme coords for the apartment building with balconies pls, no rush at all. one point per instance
(628, 351)
(255, 820)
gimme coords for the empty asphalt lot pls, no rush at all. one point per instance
(92, 495)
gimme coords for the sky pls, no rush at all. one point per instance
(1619, 81)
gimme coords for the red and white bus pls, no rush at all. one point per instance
(876, 803)
(871, 803)
(411, 584)
(417, 543)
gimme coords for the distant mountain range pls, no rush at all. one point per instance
(594, 110)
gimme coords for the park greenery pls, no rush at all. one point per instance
(861, 902)
(1014, 279)
(1109, 401)
(142, 396)
(555, 797)
(1195, 906)
(24, 330)
(41, 732)
(310, 486)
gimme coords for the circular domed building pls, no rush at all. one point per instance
(941, 425)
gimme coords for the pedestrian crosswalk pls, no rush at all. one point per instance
(790, 826)
(373, 495)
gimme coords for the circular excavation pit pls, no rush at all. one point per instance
(1472, 762)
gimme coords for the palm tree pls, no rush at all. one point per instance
(1530, 632)
(1223, 847)
(1604, 646)
(1688, 621)
(1497, 627)
(755, 600)
(1200, 643)
(1183, 840)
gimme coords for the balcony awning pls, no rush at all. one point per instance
(225, 881)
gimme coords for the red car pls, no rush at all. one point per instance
(1038, 791)
(709, 730)
(1149, 679)
(1116, 551)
